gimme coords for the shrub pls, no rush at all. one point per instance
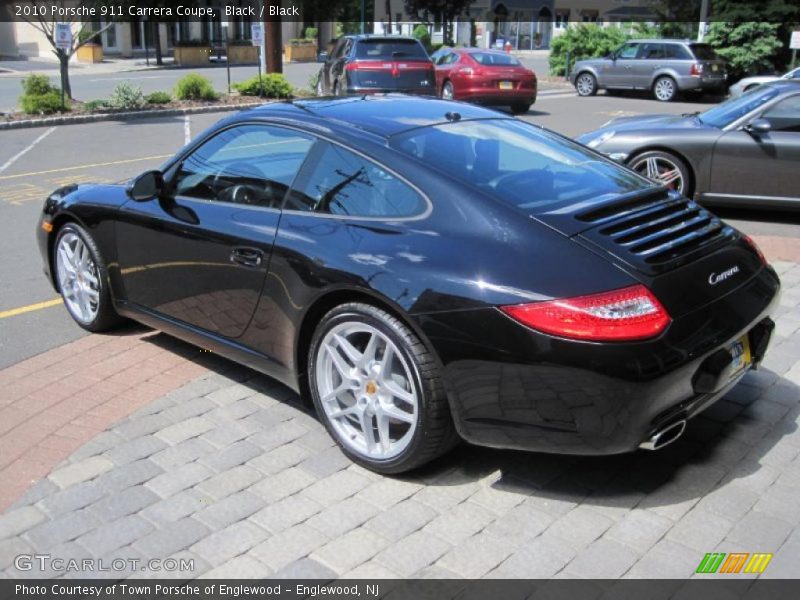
(36, 85)
(126, 96)
(195, 87)
(43, 103)
(93, 105)
(274, 85)
(421, 33)
(159, 98)
(313, 80)
(583, 41)
(312, 33)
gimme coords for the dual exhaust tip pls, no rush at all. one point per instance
(665, 436)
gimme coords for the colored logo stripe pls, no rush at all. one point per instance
(714, 562)
(757, 563)
(711, 562)
(734, 562)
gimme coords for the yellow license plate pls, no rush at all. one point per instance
(506, 85)
(715, 67)
(740, 355)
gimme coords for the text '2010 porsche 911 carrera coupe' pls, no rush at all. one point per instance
(426, 271)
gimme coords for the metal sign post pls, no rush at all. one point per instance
(63, 35)
(257, 37)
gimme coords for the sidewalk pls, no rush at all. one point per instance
(166, 451)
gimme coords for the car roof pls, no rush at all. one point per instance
(383, 115)
(377, 36)
(664, 41)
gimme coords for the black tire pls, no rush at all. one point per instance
(520, 108)
(448, 85)
(434, 434)
(685, 171)
(665, 89)
(586, 84)
(106, 317)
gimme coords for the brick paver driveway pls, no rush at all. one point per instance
(232, 471)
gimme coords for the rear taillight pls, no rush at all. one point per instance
(750, 242)
(632, 313)
(696, 70)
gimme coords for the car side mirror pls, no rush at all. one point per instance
(146, 186)
(758, 126)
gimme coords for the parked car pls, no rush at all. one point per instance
(487, 77)
(362, 64)
(748, 83)
(425, 270)
(665, 67)
(745, 151)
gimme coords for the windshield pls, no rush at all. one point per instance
(534, 169)
(734, 109)
(383, 48)
(494, 58)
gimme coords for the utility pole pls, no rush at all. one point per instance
(273, 37)
(701, 32)
(363, 16)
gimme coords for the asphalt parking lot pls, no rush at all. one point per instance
(163, 451)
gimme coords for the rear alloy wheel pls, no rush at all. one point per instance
(448, 93)
(665, 168)
(377, 390)
(82, 279)
(665, 89)
(520, 108)
(586, 84)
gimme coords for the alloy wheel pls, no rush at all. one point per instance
(447, 91)
(366, 390)
(585, 85)
(664, 89)
(78, 278)
(662, 170)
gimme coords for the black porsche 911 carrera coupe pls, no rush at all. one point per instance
(426, 271)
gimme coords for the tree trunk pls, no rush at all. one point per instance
(389, 16)
(273, 41)
(157, 41)
(63, 60)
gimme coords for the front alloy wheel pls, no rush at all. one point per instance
(448, 93)
(377, 390)
(665, 89)
(586, 84)
(663, 168)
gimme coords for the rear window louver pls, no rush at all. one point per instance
(656, 232)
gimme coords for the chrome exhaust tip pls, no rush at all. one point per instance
(664, 437)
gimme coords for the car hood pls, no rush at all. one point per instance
(648, 123)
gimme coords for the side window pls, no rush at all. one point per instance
(651, 51)
(628, 51)
(343, 183)
(785, 115)
(248, 164)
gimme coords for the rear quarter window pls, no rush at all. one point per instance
(703, 52)
(386, 49)
(494, 58)
(677, 52)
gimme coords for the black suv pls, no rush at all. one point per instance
(369, 64)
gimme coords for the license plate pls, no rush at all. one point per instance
(740, 355)
(715, 67)
(506, 85)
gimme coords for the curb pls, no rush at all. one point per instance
(125, 116)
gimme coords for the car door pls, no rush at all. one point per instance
(761, 166)
(444, 64)
(618, 72)
(200, 253)
(649, 60)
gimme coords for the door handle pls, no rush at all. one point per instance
(248, 257)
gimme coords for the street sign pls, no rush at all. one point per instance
(794, 42)
(63, 36)
(257, 34)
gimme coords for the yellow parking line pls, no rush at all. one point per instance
(30, 308)
(78, 167)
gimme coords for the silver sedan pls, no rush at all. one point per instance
(748, 83)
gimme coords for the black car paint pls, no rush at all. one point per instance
(729, 166)
(445, 273)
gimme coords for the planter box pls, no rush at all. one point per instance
(90, 53)
(243, 55)
(300, 53)
(192, 56)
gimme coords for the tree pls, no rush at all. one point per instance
(749, 48)
(583, 41)
(446, 10)
(82, 34)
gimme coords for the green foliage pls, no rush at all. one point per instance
(274, 85)
(126, 96)
(39, 97)
(583, 41)
(94, 105)
(195, 87)
(158, 98)
(313, 81)
(749, 48)
(36, 85)
(42, 104)
(311, 33)
(421, 33)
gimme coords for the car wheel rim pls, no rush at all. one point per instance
(662, 170)
(664, 89)
(366, 391)
(78, 279)
(447, 92)
(585, 85)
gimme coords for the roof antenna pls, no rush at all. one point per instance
(452, 116)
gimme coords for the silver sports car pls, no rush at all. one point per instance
(748, 83)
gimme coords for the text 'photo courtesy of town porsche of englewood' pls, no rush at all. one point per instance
(399, 299)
